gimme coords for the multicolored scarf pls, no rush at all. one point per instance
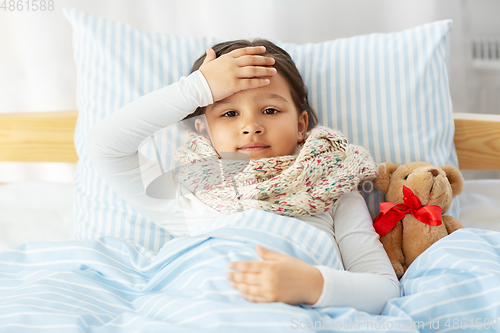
(309, 182)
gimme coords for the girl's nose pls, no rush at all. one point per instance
(252, 126)
(252, 129)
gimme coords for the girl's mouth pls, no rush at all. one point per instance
(253, 146)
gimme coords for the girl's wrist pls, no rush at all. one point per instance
(316, 283)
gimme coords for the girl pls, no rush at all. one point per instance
(255, 103)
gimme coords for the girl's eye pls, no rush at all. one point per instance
(229, 114)
(272, 111)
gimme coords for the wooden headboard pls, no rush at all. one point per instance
(48, 137)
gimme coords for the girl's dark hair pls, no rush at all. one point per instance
(283, 64)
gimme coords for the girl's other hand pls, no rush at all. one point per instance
(237, 70)
(278, 278)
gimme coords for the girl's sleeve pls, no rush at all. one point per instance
(112, 144)
(368, 281)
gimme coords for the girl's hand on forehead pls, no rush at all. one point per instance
(238, 70)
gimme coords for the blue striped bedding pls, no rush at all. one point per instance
(111, 285)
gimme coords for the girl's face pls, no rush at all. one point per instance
(261, 122)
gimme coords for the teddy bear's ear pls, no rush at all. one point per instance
(383, 179)
(455, 178)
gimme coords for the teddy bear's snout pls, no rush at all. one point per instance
(434, 172)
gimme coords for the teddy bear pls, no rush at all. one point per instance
(417, 195)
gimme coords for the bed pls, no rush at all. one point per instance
(66, 267)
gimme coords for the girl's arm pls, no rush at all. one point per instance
(113, 143)
(368, 281)
(367, 284)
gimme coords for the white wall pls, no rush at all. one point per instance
(484, 17)
(484, 22)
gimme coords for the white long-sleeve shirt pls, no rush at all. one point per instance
(368, 281)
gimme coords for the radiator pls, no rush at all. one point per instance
(486, 66)
(486, 48)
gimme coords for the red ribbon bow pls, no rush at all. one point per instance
(391, 213)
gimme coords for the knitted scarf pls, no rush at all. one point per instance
(308, 182)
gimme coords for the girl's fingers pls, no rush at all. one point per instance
(254, 266)
(254, 298)
(247, 50)
(250, 278)
(248, 289)
(251, 72)
(244, 84)
(210, 55)
(254, 60)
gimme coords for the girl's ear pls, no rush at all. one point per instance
(201, 128)
(303, 123)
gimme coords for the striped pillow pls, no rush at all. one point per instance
(387, 92)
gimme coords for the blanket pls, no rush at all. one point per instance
(111, 285)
